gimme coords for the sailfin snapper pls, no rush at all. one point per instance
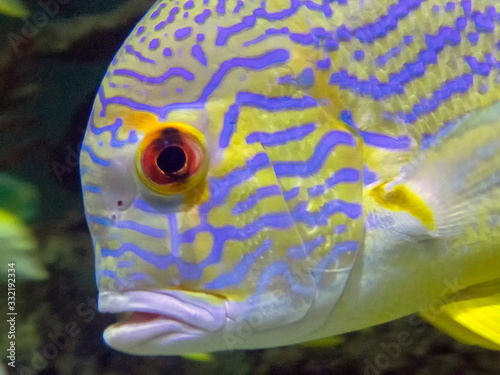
(13, 8)
(258, 174)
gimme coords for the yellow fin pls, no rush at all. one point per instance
(13, 8)
(198, 357)
(473, 318)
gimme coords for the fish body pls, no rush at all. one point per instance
(263, 173)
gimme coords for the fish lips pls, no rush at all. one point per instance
(161, 322)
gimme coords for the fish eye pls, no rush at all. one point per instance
(173, 159)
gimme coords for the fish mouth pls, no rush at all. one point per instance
(160, 322)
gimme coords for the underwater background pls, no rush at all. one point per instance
(51, 63)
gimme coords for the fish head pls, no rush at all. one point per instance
(197, 181)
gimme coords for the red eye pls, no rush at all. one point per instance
(173, 159)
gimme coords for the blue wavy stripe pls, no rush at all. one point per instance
(270, 59)
(446, 36)
(282, 137)
(283, 103)
(91, 189)
(302, 252)
(281, 270)
(104, 221)
(172, 72)
(107, 273)
(85, 170)
(130, 50)
(140, 228)
(174, 235)
(369, 176)
(290, 194)
(229, 125)
(113, 129)
(219, 189)
(459, 85)
(253, 199)
(321, 217)
(94, 157)
(345, 175)
(144, 206)
(333, 256)
(316, 161)
(281, 220)
(159, 261)
(386, 141)
(224, 33)
(339, 229)
(199, 54)
(240, 270)
(125, 264)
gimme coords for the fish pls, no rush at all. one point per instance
(265, 173)
(19, 208)
(13, 8)
(19, 247)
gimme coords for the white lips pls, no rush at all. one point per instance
(181, 316)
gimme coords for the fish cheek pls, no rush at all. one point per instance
(118, 186)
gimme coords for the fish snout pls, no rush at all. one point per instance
(163, 322)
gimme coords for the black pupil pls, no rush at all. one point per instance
(172, 159)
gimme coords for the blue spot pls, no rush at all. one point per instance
(407, 39)
(461, 23)
(344, 33)
(183, 33)
(467, 7)
(140, 30)
(167, 52)
(450, 7)
(473, 38)
(359, 55)
(324, 64)
(306, 78)
(154, 44)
